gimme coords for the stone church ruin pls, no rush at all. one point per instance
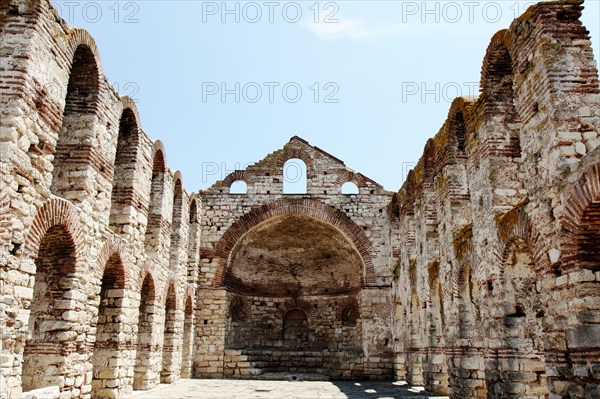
(479, 278)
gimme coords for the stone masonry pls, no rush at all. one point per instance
(479, 278)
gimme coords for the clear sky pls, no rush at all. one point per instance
(223, 84)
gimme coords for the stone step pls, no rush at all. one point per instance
(292, 377)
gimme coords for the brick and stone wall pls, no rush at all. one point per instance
(479, 278)
(497, 285)
(94, 224)
(309, 256)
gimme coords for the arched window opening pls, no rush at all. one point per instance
(188, 339)
(152, 237)
(124, 171)
(498, 97)
(238, 187)
(146, 346)
(55, 266)
(350, 188)
(108, 327)
(497, 81)
(294, 176)
(295, 327)
(75, 139)
(167, 374)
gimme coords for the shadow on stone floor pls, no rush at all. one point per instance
(268, 389)
(381, 390)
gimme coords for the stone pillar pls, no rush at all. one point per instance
(211, 316)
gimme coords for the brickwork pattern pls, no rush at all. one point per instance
(494, 232)
(479, 278)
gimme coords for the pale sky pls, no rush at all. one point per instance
(223, 84)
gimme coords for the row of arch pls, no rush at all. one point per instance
(157, 340)
(469, 333)
(77, 154)
(127, 320)
(74, 154)
(498, 254)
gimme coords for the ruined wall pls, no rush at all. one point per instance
(258, 322)
(243, 252)
(113, 277)
(496, 288)
(84, 190)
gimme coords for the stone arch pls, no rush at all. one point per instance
(580, 223)
(156, 219)
(522, 321)
(408, 194)
(177, 221)
(80, 37)
(345, 176)
(429, 160)
(55, 212)
(349, 188)
(516, 224)
(73, 156)
(435, 372)
(295, 303)
(466, 286)
(148, 269)
(451, 146)
(114, 246)
(305, 207)
(147, 363)
(188, 337)
(110, 337)
(125, 165)
(193, 250)
(295, 329)
(159, 157)
(294, 152)
(193, 212)
(170, 348)
(128, 103)
(436, 291)
(414, 344)
(237, 176)
(348, 311)
(497, 77)
(54, 247)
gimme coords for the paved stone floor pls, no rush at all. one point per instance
(251, 389)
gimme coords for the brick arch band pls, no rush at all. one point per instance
(581, 196)
(305, 207)
(55, 212)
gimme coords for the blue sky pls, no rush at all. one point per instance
(368, 81)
